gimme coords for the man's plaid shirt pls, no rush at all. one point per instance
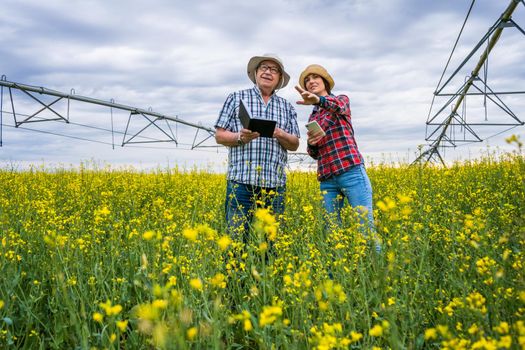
(262, 162)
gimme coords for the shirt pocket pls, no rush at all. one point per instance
(327, 121)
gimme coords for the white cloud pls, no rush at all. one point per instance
(183, 58)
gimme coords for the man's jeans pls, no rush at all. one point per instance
(354, 185)
(241, 202)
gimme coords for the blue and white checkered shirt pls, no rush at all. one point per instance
(261, 162)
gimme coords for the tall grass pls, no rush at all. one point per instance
(101, 258)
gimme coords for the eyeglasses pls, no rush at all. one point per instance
(273, 70)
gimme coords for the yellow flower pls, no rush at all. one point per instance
(430, 333)
(502, 328)
(269, 315)
(485, 343)
(476, 301)
(443, 330)
(196, 283)
(287, 279)
(514, 139)
(484, 265)
(376, 331)
(406, 212)
(473, 329)
(160, 304)
(98, 317)
(190, 234)
(167, 214)
(104, 211)
(265, 223)
(522, 296)
(355, 336)
(323, 306)
(386, 205)
(403, 199)
(172, 281)
(224, 242)
(122, 325)
(219, 280)
(147, 312)
(148, 235)
(109, 309)
(191, 333)
(247, 325)
(505, 342)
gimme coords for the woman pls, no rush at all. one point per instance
(340, 166)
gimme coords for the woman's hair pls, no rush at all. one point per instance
(326, 86)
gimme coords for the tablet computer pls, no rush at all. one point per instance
(264, 127)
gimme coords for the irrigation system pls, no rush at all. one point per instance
(455, 127)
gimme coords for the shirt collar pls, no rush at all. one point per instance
(256, 88)
(259, 95)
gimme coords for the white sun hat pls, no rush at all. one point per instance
(256, 60)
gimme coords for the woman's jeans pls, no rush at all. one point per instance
(241, 202)
(354, 185)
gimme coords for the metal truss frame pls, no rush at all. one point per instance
(154, 120)
(444, 134)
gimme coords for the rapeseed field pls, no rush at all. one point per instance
(122, 259)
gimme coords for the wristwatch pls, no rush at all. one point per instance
(239, 140)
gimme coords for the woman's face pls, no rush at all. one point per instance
(315, 84)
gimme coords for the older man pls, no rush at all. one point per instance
(257, 165)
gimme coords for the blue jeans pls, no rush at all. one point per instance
(241, 202)
(354, 185)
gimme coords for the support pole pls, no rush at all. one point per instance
(505, 17)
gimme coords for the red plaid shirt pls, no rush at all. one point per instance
(337, 151)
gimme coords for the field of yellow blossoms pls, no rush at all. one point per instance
(123, 259)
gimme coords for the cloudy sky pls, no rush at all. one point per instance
(182, 58)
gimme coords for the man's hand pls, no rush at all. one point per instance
(278, 133)
(247, 135)
(288, 141)
(308, 97)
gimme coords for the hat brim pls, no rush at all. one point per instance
(254, 62)
(314, 69)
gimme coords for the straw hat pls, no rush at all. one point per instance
(255, 61)
(316, 69)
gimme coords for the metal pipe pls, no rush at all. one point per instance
(42, 90)
(486, 93)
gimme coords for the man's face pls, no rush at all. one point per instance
(268, 75)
